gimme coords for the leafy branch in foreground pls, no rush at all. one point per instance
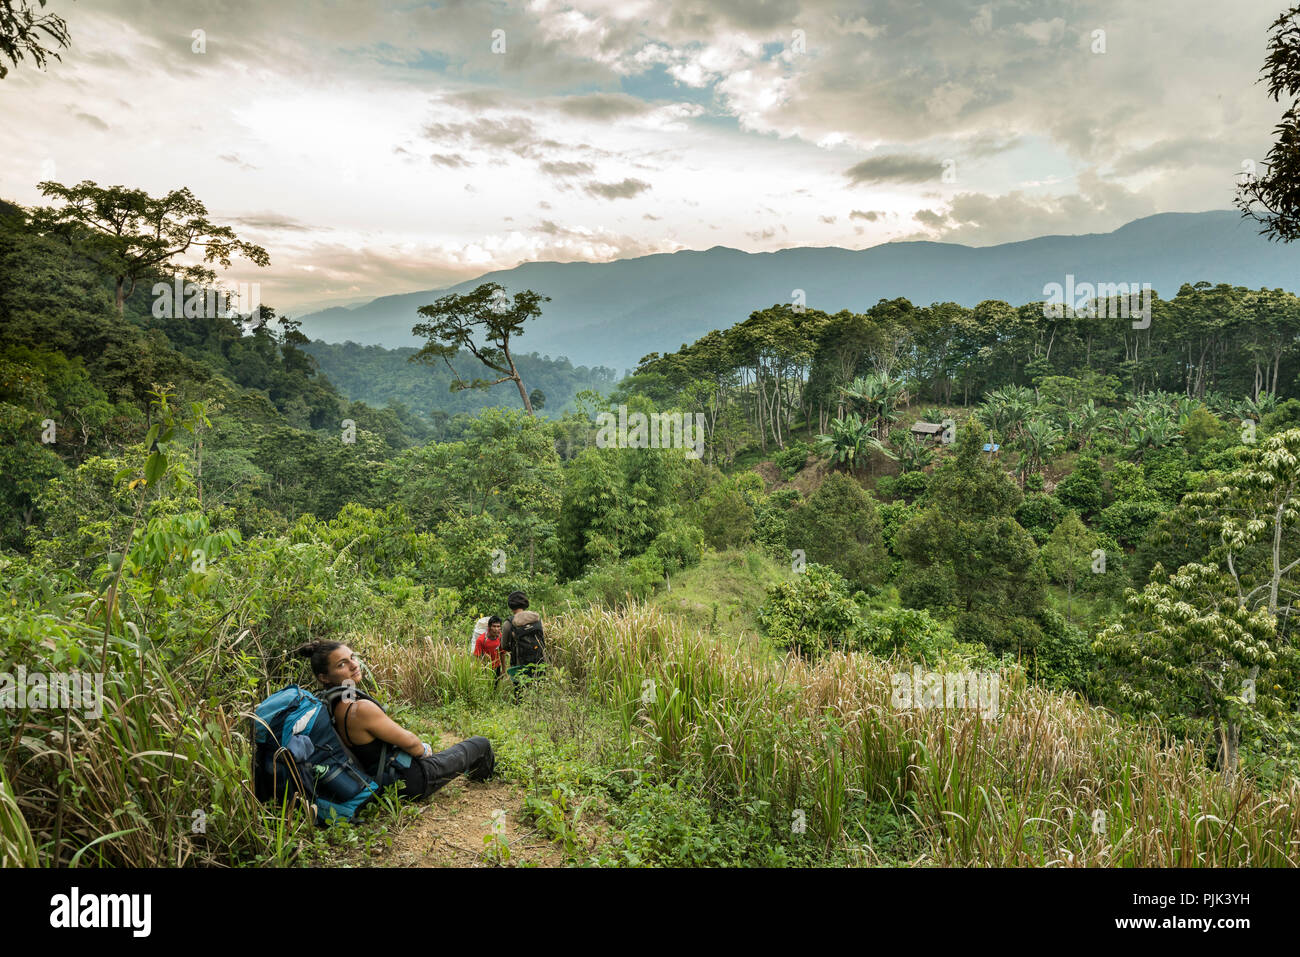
(1278, 191)
(20, 30)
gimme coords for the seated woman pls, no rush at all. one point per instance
(369, 733)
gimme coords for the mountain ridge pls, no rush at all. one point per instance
(615, 313)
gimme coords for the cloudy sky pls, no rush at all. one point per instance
(387, 147)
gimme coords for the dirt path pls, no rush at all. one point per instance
(453, 823)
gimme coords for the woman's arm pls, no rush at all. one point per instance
(369, 717)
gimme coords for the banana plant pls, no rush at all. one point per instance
(1256, 409)
(850, 441)
(1038, 440)
(1005, 410)
(879, 397)
(1082, 422)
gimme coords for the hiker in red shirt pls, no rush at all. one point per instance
(490, 644)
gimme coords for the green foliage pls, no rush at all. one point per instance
(672, 824)
(840, 527)
(21, 32)
(850, 443)
(910, 486)
(677, 547)
(771, 519)
(615, 504)
(1081, 490)
(1188, 648)
(1067, 555)
(908, 632)
(914, 453)
(726, 518)
(467, 555)
(1064, 657)
(1273, 199)
(965, 551)
(792, 458)
(1285, 416)
(812, 614)
(616, 584)
(482, 323)
(893, 516)
(189, 570)
(134, 237)
(1202, 427)
(1039, 514)
(384, 377)
(1128, 521)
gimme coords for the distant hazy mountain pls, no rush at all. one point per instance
(614, 313)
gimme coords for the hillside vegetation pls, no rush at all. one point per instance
(184, 501)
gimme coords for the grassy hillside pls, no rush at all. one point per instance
(186, 502)
(720, 596)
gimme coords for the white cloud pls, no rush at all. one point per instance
(386, 146)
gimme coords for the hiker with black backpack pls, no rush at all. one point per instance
(384, 749)
(522, 637)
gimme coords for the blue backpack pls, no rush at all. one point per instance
(297, 751)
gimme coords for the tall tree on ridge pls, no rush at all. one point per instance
(482, 323)
(131, 235)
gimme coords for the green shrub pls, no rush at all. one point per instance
(911, 485)
(726, 519)
(1039, 514)
(678, 546)
(1081, 490)
(811, 614)
(909, 632)
(1063, 657)
(771, 522)
(839, 526)
(893, 516)
(792, 458)
(615, 585)
(1128, 522)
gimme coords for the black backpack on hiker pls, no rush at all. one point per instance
(528, 642)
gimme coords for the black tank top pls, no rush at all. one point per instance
(368, 753)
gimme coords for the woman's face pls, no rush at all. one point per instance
(343, 666)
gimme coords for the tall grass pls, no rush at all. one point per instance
(1049, 781)
(161, 778)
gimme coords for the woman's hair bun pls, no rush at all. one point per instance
(306, 650)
